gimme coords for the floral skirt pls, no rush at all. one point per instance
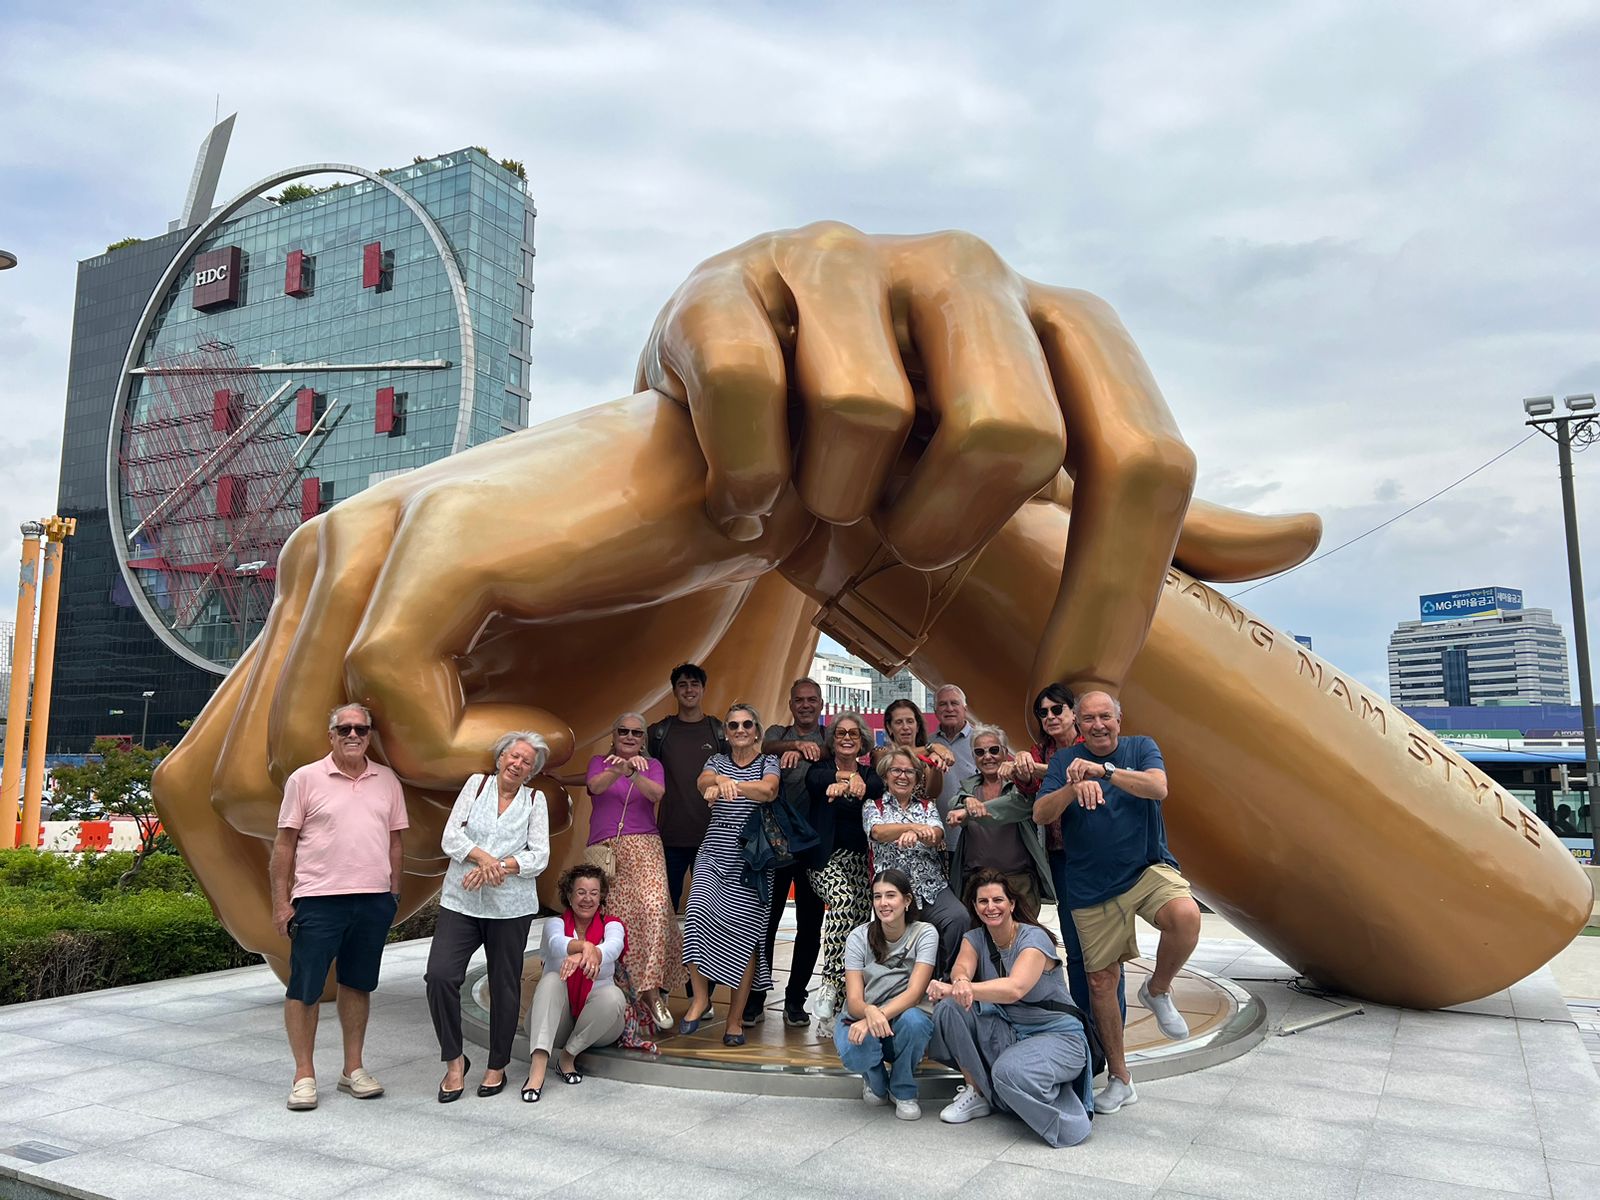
(639, 896)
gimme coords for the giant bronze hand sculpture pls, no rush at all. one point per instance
(550, 579)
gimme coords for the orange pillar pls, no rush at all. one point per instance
(21, 670)
(56, 531)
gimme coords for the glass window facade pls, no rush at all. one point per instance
(212, 466)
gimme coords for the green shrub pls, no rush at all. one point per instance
(69, 923)
(55, 944)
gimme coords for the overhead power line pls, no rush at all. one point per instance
(1385, 524)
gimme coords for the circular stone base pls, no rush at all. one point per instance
(1224, 1020)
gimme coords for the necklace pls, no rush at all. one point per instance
(1009, 942)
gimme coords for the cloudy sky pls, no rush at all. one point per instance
(1349, 237)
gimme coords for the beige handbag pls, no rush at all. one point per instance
(603, 854)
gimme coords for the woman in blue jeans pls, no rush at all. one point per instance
(888, 963)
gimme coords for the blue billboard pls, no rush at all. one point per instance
(1474, 602)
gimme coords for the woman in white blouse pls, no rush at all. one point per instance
(497, 840)
(577, 1003)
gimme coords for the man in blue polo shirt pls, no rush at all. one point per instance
(1107, 790)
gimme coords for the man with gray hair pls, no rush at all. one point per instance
(951, 744)
(335, 874)
(1108, 792)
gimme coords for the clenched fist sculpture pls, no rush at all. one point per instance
(899, 441)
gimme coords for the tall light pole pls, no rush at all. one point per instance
(145, 724)
(1581, 424)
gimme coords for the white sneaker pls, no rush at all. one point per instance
(1115, 1095)
(822, 1010)
(908, 1110)
(1173, 1027)
(968, 1105)
(872, 1097)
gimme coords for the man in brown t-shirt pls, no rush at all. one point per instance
(683, 743)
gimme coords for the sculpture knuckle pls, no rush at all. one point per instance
(969, 252)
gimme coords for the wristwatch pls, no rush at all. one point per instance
(1110, 770)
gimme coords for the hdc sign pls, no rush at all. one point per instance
(216, 278)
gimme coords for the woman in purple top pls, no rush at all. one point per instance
(624, 788)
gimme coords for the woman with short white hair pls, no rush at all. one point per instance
(498, 840)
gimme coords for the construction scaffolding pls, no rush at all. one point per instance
(211, 489)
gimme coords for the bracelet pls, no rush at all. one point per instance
(959, 979)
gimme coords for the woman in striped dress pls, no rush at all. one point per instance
(725, 921)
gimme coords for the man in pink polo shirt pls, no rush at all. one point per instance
(335, 887)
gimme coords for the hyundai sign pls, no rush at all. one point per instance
(1477, 602)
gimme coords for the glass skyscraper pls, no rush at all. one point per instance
(231, 380)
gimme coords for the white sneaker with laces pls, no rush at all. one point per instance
(872, 1097)
(1116, 1094)
(908, 1110)
(1170, 1021)
(968, 1105)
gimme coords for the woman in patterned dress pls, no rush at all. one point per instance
(725, 921)
(908, 836)
(625, 786)
(840, 784)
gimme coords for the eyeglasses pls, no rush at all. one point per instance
(902, 771)
(741, 724)
(621, 732)
(1049, 710)
(987, 751)
(347, 730)
(849, 733)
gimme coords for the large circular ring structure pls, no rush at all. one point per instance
(154, 308)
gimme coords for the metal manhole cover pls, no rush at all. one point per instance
(38, 1152)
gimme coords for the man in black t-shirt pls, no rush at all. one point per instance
(797, 747)
(684, 743)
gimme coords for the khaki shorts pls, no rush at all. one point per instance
(1106, 930)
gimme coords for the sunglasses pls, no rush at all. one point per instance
(850, 733)
(1050, 710)
(987, 752)
(621, 732)
(741, 724)
(347, 730)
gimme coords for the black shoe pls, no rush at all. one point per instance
(796, 1016)
(492, 1089)
(755, 1012)
(450, 1097)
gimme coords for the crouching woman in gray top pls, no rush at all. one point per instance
(577, 1003)
(888, 963)
(498, 840)
(1002, 1021)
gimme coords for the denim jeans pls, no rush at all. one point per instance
(910, 1034)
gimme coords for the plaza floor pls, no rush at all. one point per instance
(176, 1090)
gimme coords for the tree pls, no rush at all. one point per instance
(127, 241)
(516, 168)
(114, 781)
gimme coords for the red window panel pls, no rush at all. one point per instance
(372, 264)
(296, 275)
(310, 498)
(305, 410)
(224, 411)
(230, 495)
(384, 422)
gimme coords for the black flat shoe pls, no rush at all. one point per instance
(530, 1095)
(492, 1089)
(450, 1097)
(570, 1076)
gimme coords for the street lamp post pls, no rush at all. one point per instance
(1581, 424)
(145, 724)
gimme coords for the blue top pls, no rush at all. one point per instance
(1108, 849)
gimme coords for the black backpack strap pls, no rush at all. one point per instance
(1097, 1054)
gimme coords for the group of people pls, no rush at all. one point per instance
(917, 873)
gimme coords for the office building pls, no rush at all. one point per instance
(236, 376)
(1479, 648)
